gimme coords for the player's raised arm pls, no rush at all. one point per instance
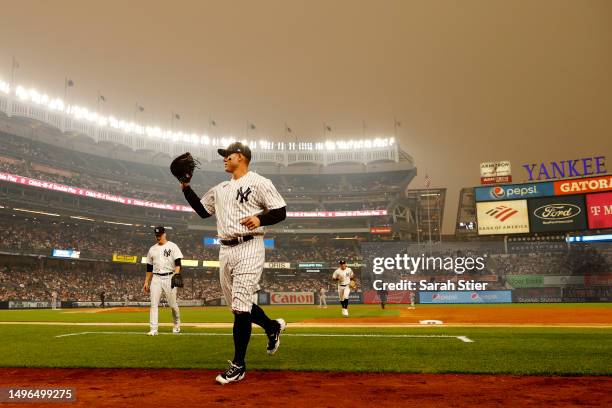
(195, 202)
(182, 168)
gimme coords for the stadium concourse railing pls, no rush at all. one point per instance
(13, 106)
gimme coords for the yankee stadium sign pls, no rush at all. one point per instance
(588, 166)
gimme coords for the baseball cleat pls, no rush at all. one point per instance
(274, 338)
(176, 330)
(345, 312)
(233, 373)
(152, 333)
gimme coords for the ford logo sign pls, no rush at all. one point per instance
(557, 211)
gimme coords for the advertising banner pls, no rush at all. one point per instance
(333, 298)
(481, 296)
(333, 214)
(292, 298)
(495, 172)
(514, 191)
(557, 214)
(277, 265)
(18, 304)
(586, 185)
(66, 253)
(393, 296)
(210, 264)
(216, 241)
(599, 210)
(591, 294)
(502, 217)
(536, 295)
(189, 262)
(125, 258)
(525, 281)
(312, 265)
(380, 230)
(48, 185)
(556, 280)
(599, 279)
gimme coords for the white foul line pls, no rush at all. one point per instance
(464, 339)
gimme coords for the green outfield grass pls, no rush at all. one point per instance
(541, 351)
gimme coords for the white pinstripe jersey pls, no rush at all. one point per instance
(343, 276)
(162, 257)
(234, 200)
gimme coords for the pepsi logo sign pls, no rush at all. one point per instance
(498, 192)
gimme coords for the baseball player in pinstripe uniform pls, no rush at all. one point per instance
(163, 261)
(243, 206)
(344, 275)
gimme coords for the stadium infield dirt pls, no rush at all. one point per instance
(488, 315)
(191, 388)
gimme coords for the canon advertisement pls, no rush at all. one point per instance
(557, 214)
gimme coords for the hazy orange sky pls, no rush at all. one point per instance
(470, 81)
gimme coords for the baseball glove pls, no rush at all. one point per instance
(183, 166)
(177, 281)
(353, 284)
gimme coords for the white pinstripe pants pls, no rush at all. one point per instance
(240, 271)
(163, 284)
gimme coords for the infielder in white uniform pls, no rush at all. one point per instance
(344, 275)
(323, 297)
(243, 206)
(163, 261)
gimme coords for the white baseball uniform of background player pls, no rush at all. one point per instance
(343, 275)
(323, 298)
(163, 257)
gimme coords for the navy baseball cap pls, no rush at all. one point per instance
(342, 262)
(159, 230)
(236, 147)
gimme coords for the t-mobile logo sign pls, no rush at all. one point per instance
(601, 209)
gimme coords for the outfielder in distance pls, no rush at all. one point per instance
(346, 281)
(243, 205)
(163, 274)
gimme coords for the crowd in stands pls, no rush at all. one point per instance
(85, 281)
(99, 241)
(574, 261)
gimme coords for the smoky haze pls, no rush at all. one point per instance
(470, 81)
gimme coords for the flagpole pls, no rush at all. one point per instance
(15, 65)
(418, 219)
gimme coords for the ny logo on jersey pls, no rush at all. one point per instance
(167, 252)
(243, 195)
